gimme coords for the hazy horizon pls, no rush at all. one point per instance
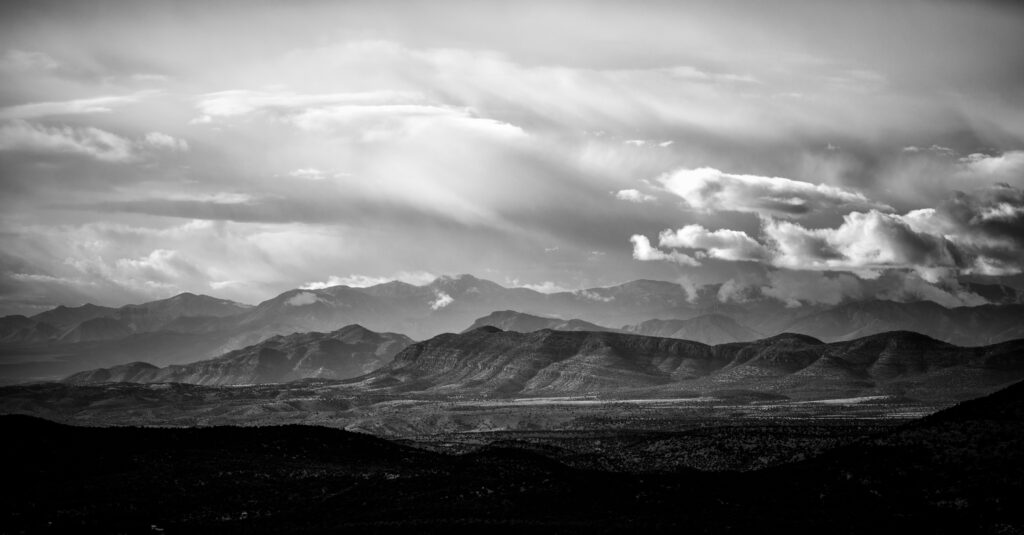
(823, 150)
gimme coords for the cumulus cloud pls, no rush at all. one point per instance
(442, 300)
(987, 227)
(865, 242)
(1005, 164)
(723, 244)
(302, 299)
(633, 195)
(981, 233)
(709, 189)
(642, 250)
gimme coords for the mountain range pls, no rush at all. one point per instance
(347, 352)
(490, 362)
(187, 328)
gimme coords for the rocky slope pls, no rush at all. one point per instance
(489, 361)
(344, 353)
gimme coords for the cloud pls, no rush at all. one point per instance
(734, 291)
(354, 281)
(865, 242)
(977, 233)
(27, 60)
(546, 287)
(308, 173)
(798, 288)
(643, 251)
(302, 299)
(711, 190)
(366, 116)
(723, 244)
(416, 278)
(21, 135)
(104, 104)
(235, 103)
(442, 301)
(795, 287)
(936, 149)
(163, 141)
(690, 287)
(633, 195)
(987, 227)
(1010, 163)
(591, 295)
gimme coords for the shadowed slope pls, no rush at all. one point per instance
(547, 362)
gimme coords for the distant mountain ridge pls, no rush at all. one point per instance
(92, 322)
(189, 327)
(347, 352)
(711, 329)
(510, 320)
(489, 361)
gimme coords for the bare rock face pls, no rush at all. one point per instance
(489, 361)
(347, 352)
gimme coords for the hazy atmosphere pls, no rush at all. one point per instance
(575, 267)
(858, 149)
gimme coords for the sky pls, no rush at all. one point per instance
(816, 151)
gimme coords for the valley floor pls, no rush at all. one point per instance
(736, 463)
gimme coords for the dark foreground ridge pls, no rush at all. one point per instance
(958, 471)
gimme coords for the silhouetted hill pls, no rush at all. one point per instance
(958, 471)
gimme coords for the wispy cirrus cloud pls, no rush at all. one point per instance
(104, 104)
